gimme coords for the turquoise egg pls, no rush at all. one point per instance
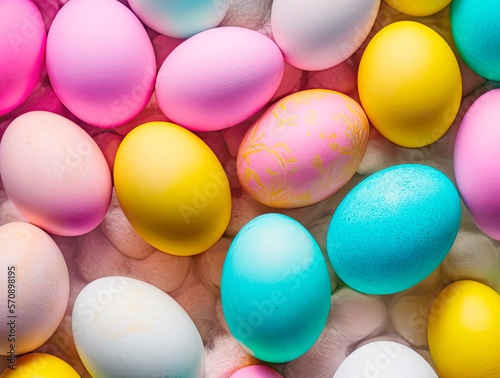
(393, 229)
(475, 25)
(180, 18)
(275, 288)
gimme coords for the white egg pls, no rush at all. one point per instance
(316, 35)
(385, 359)
(124, 327)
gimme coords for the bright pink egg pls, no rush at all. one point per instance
(100, 61)
(22, 51)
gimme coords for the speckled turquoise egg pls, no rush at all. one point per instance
(394, 229)
(475, 27)
(275, 288)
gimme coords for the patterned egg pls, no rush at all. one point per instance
(394, 229)
(475, 159)
(303, 149)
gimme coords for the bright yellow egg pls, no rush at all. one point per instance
(39, 365)
(418, 7)
(172, 188)
(464, 331)
(410, 84)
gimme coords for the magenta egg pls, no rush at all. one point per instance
(22, 51)
(476, 158)
(218, 78)
(100, 61)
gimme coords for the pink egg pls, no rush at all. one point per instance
(303, 149)
(256, 371)
(218, 78)
(100, 61)
(22, 51)
(476, 159)
(36, 280)
(55, 174)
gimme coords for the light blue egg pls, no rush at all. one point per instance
(180, 18)
(393, 229)
(275, 288)
(475, 25)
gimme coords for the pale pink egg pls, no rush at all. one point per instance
(476, 159)
(303, 149)
(35, 287)
(55, 174)
(218, 78)
(100, 61)
(22, 51)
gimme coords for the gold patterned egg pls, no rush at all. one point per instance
(303, 149)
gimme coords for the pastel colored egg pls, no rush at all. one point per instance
(476, 32)
(172, 188)
(303, 149)
(475, 157)
(35, 288)
(180, 19)
(394, 229)
(218, 78)
(22, 52)
(410, 84)
(321, 34)
(124, 327)
(464, 331)
(39, 365)
(275, 288)
(418, 8)
(256, 371)
(55, 174)
(385, 359)
(100, 61)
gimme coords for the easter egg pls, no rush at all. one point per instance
(275, 288)
(255, 371)
(100, 61)
(172, 188)
(22, 48)
(55, 174)
(40, 365)
(35, 288)
(124, 327)
(475, 156)
(464, 331)
(393, 229)
(180, 19)
(385, 359)
(476, 32)
(418, 8)
(410, 84)
(218, 78)
(303, 149)
(321, 34)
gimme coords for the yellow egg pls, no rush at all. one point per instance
(172, 188)
(464, 331)
(410, 84)
(418, 7)
(39, 365)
